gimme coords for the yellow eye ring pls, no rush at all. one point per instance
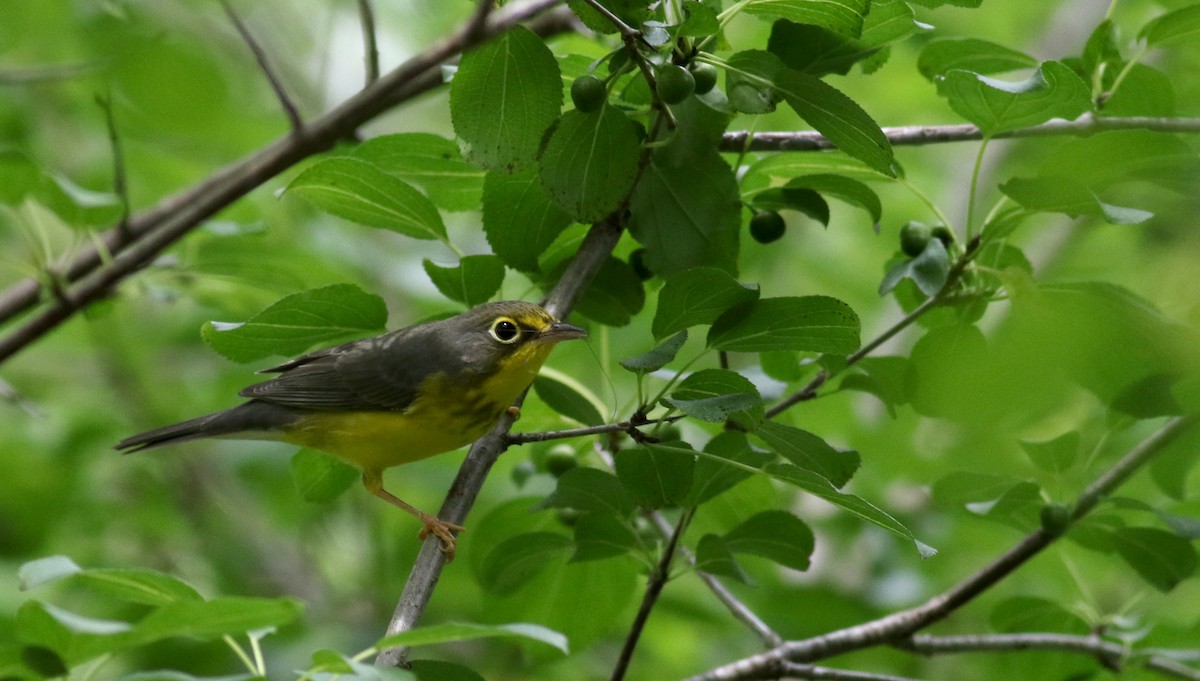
(505, 331)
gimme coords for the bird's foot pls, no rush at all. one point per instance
(443, 530)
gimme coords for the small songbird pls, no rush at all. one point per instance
(392, 399)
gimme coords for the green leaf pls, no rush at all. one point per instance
(430, 162)
(1143, 155)
(887, 377)
(800, 199)
(656, 476)
(689, 217)
(715, 558)
(18, 176)
(590, 162)
(750, 81)
(471, 631)
(789, 166)
(429, 670)
(600, 535)
(505, 95)
(775, 535)
(838, 118)
(519, 218)
(818, 51)
(1160, 557)
(970, 54)
(614, 295)
(320, 478)
(218, 617)
(360, 192)
(810, 452)
(928, 270)
(590, 490)
(712, 475)
(140, 586)
(473, 282)
(1181, 27)
(45, 570)
(699, 21)
(567, 401)
(808, 323)
(1015, 503)
(1071, 197)
(520, 558)
(297, 322)
(820, 487)
(697, 296)
(1022, 614)
(1055, 455)
(657, 358)
(74, 204)
(717, 395)
(846, 189)
(996, 106)
(844, 17)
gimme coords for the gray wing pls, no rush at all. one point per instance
(382, 373)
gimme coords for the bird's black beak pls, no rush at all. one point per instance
(561, 331)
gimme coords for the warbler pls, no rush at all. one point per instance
(392, 399)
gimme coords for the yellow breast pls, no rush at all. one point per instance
(445, 415)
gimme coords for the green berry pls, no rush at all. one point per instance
(914, 237)
(588, 93)
(705, 76)
(942, 233)
(1056, 518)
(637, 260)
(675, 84)
(560, 459)
(767, 226)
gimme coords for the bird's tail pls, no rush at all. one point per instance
(251, 420)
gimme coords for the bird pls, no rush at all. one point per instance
(391, 399)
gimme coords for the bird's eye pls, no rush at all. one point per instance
(505, 330)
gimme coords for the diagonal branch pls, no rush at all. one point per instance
(902, 624)
(154, 229)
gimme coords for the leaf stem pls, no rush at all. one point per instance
(970, 229)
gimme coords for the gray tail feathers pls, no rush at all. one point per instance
(253, 417)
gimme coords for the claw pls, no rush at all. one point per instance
(443, 530)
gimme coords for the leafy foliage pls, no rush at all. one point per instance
(942, 364)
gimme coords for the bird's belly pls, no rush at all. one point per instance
(379, 440)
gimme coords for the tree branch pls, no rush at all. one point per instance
(260, 55)
(1112, 655)
(808, 671)
(622, 427)
(157, 228)
(904, 623)
(917, 135)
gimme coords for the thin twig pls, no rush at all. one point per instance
(260, 56)
(658, 579)
(366, 16)
(475, 26)
(49, 72)
(900, 625)
(120, 186)
(808, 671)
(1108, 653)
(622, 427)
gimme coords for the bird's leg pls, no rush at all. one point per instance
(444, 531)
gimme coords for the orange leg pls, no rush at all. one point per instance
(444, 531)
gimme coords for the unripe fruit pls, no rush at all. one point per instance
(942, 233)
(588, 93)
(1056, 518)
(705, 76)
(675, 84)
(560, 459)
(767, 226)
(914, 237)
